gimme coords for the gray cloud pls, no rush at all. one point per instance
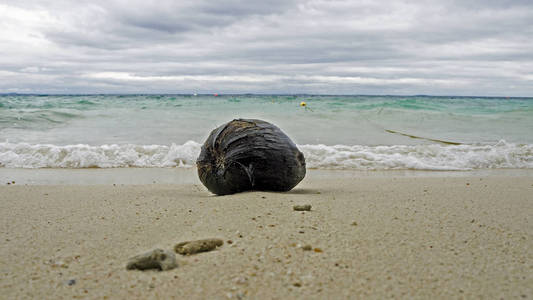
(307, 46)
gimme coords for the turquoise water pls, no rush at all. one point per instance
(326, 122)
(347, 120)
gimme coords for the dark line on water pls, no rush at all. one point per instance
(422, 138)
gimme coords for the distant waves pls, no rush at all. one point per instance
(396, 157)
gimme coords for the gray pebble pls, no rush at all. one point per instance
(305, 207)
(307, 248)
(155, 259)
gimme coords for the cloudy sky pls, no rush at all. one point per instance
(478, 47)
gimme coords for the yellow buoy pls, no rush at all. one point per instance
(303, 103)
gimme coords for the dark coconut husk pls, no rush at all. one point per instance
(247, 154)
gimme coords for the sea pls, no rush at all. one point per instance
(333, 132)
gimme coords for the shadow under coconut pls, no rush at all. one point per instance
(303, 192)
(291, 192)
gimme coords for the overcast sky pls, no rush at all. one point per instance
(440, 47)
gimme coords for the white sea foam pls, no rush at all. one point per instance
(419, 157)
(24, 155)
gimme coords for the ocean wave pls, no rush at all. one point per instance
(417, 157)
(22, 155)
(420, 157)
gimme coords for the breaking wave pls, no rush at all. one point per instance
(417, 157)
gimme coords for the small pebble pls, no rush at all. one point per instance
(155, 259)
(193, 247)
(318, 250)
(71, 282)
(305, 207)
(297, 284)
(354, 223)
(57, 264)
(307, 248)
(240, 280)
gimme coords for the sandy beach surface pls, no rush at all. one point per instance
(69, 233)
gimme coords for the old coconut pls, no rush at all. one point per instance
(247, 154)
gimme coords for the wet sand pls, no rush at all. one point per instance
(438, 236)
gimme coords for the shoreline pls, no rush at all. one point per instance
(140, 176)
(401, 236)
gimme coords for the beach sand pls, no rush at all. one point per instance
(386, 236)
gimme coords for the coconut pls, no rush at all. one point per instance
(248, 154)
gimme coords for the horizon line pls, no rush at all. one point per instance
(253, 94)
